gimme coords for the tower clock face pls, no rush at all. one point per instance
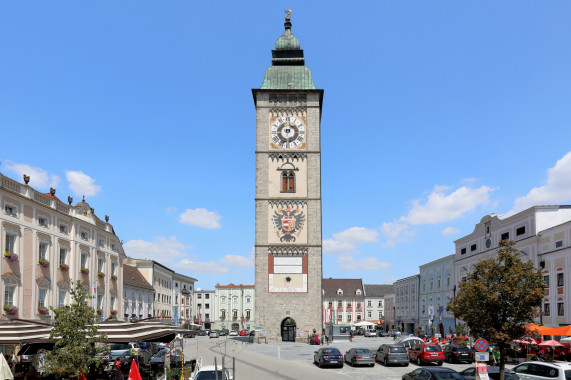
(288, 132)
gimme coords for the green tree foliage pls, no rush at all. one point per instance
(499, 297)
(75, 335)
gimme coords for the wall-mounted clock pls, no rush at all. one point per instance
(288, 132)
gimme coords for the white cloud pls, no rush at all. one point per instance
(450, 231)
(39, 178)
(200, 217)
(396, 233)
(236, 261)
(160, 249)
(345, 242)
(557, 189)
(368, 263)
(171, 209)
(81, 184)
(443, 206)
(205, 267)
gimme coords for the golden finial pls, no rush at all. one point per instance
(288, 13)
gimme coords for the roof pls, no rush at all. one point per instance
(378, 290)
(132, 277)
(288, 70)
(231, 285)
(349, 286)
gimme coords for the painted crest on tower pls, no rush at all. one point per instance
(288, 223)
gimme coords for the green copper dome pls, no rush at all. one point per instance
(288, 70)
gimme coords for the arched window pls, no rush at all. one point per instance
(288, 182)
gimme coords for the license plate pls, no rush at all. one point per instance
(333, 361)
(433, 354)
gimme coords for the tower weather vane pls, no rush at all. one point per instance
(288, 12)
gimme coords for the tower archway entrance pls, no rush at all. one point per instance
(288, 330)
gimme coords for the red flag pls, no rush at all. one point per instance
(81, 375)
(134, 372)
(243, 320)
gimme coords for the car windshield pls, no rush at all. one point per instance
(448, 376)
(568, 374)
(208, 375)
(432, 349)
(398, 350)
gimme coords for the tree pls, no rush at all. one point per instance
(75, 335)
(499, 297)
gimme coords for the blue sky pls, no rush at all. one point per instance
(435, 114)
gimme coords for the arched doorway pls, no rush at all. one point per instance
(288, 330)
(235, 326)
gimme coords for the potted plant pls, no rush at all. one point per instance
(44, 263)
(113, 277)
(11, 256)
(101, 274)
(98, 311)
(84, 270)
(113, 312)
(43, 310)
(64, 267)
(10, 309)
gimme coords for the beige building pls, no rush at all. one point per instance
(288, 240)
(45, 243)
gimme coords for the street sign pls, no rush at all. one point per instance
(481, 345)
(481, 356)
(482, 372)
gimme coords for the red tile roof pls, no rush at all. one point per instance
(349, 286)
(231, 285)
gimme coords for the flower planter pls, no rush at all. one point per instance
(10, 256)
(43, 310)
(64, 267)
(100, 274)
(113, 277)
(10, 310)
(84, 270)
(43, 263)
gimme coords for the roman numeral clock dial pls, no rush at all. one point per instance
(287, 132)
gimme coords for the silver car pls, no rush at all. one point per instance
(360, 356)
(369, 333)
(213, 334)
(392, 354)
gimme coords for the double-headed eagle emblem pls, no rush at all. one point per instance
(288, 222)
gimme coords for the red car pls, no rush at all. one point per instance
(426, 353)
(243, 333)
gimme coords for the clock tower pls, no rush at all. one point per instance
(288, 243)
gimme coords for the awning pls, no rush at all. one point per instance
(21, 332)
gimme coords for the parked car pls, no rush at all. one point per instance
(493, 373)
(213, 334)
(543, 370)
(328, 356)
(223, 332)
(409, 341)
(433, 373)
(243, 333)
(202, 333)
(233, 333)
(158, 361)
(209, 372)
(189, 335)
(369, 333)
(425, 353)
(392, 354)
(359, 356)
(455, 353)
(253, 332)
(382, 333)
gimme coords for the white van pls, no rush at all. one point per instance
(543, 371)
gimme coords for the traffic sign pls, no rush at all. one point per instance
(481, 345)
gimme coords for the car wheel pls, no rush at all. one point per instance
(385, 362)
(320, 364)
(440, 364)
(352, 362)
(406, 364)
(418, 360)
(452, 359)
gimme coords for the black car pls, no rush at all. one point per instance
(493, 373)
(434, 373)
(328, 356)
(202, 333)
(455, 353)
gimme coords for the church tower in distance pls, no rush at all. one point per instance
(288, 243)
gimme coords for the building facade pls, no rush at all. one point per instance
(234, 307)
(138, 294)
(46, 243)
(183, 294)
(205, 310)
(436, 290)
(288, 239)
(375, 302)
(389, 301)
(162, 280)
(343, 300)
(406, 303)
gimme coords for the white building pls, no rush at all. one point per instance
(343, 300)
(406, 303)
(183, 294)
(375, 301)
(138, 294)
(234, 306)
(204, 308)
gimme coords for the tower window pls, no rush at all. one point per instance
(288, 182)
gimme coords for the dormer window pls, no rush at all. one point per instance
(339, 292)
(358, 292)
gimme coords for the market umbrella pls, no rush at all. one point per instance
(551, 343)
(537, 329)
(561, 331)
(5, 373)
